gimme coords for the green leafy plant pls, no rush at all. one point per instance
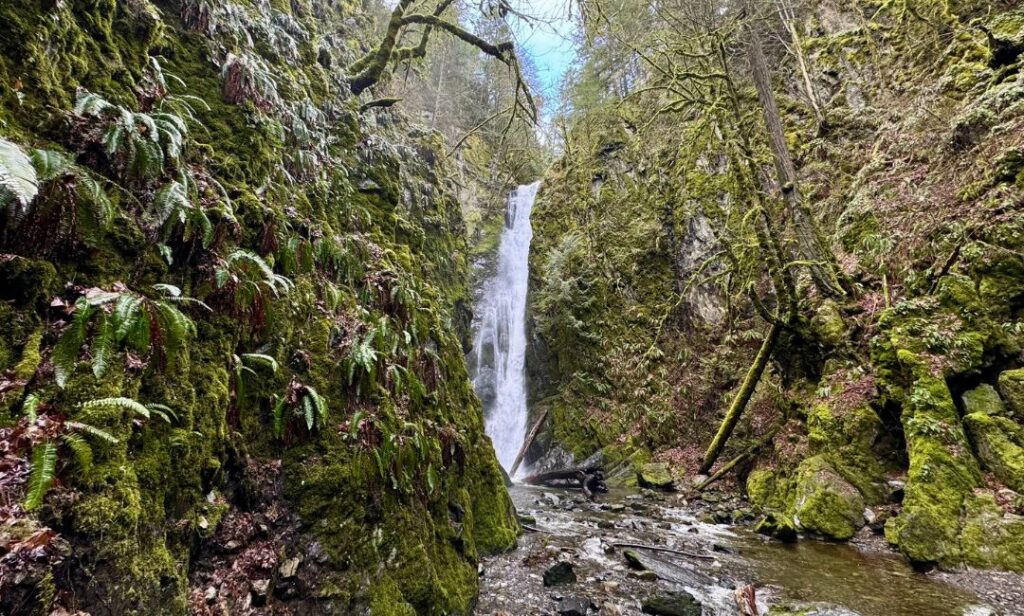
(18, 182)
(247, 78)
(70, 203)
(250, 366)
(140, 144)
(123, 318)
(249, 284)
(300, 402)
(49, 437)
(182, 211)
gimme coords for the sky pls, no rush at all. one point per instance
(547, 40)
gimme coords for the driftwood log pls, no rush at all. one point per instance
(590, 479)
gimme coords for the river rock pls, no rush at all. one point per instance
(673, 604)
(776, 526)
(574, 606)
(560, 574)
(655, 476)
(826, 504)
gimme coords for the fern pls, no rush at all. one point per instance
(131, 322)
(141, 144)
(250, 283)
(18, 181)
(44, 469)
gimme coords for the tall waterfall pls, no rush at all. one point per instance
(499, 329)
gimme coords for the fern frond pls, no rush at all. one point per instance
(117, 403)
(103, 346)
(163, 412)
(126, 315)
(18, 179)
(80, 448)
(91, 194)
(30, 407)
(261, 359)
(44, 468)
(278, 418)
(50, 165)
(309, 412)
(92, 430)
(89, 104)
(67, 350)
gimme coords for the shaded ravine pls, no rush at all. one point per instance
(837, 579)
(499, 331)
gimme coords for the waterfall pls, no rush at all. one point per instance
(499, 332)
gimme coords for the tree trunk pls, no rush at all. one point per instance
(812, 246)
(743, 396)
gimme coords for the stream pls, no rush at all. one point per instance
(864, 578)
(633, 552)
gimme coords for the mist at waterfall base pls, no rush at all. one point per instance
(498, 359)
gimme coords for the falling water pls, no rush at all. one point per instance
(500, 332)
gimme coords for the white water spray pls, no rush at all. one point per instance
(499, 332)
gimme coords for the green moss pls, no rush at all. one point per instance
(825, 503)
(30, 358)
(844, 438)
(942, 475)
(999, 443)
(983, 400)
(992, 538)
(1011, 386)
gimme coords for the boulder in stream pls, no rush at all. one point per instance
(677, 603)
(574, 606)
(560, 574)
(655, 476)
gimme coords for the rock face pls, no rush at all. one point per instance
(656, 476)
(321, 244)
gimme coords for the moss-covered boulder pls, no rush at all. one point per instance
(824, 503)
(1011, 387)
(999, 443)
(843, 434)
(992, 537)
(983, 399)
(655, 475)
(943, 473)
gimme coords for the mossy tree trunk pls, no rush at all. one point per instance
(739, 403)
(809, 239)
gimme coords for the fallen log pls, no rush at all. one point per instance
(654, 548)
(527, 442)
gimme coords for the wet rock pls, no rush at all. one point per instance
(655, 476)
(605, 524)
(526, 519)
(560, 574)
(260, 590)
(777, 527)
(723, 549)
(672, 604)
(633, 560)
(574, 606)
(826, 504)
(897, 489)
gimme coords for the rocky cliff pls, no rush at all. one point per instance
(231, 372)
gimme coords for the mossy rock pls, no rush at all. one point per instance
(942, 475)
(828, 324)
(656, 476)
(999, 442)
(844, 438)
(1011, 386)
(826, 504)
(990, 537)
(984, 400)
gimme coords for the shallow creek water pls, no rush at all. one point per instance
(838, 580)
